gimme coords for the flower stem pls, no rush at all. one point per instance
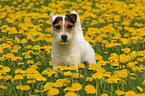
(122, 85)
(111, 89)
(97, 87)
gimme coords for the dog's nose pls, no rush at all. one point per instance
(64, 37)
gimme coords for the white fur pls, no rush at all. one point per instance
(77, 50)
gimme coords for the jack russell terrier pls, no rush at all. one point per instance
(69, 48)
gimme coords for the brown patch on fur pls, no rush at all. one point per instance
(71, 18)
(56, 26)
(67, 26)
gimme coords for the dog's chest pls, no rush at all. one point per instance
(65, 51)
(65, 54)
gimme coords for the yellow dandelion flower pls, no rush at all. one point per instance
(8, 46)
(90, 89)
(58, 84)
(30, 62)
(132, 78)
(107, 74)
(143, 82)
(67, 89)
(98, 57)
(92, 66)
(113, 79)
(82, 66)
(130, 64)
(53, 92)
(89, 79)
(48, 86)
(109, 45)
(2, 87)
(31, 81)
(19, 71)
(32, 71)
(141, 53)
(119, 92)
(28, 47)
(1, 66)
(114, 57)
(18, 76)
(19, 87)
(139, 89)
(68, 73)
(23, 41)
(97, 75)
(130, 93)
(27, 56)
(14, 50)
(2, 59)
(133, 55)
(17, 40)
(33, 95)
(65, 81)
(1, 77)
(76, 87)
(126, 50)
(122, 66)
(38, 91)
(8, 77)
(62, 68)
(122, 73)
(6, 69)
(126, 34)
(126, 22)
(102, 20)
(124, 58)
(51, 72)
(34, 66)
(45, 72)
(26, 87)
(40, 78)
(72, 68)
(104, 94)
(36, 47)
(70, 94)
(101, 62)
(136, 68)
(21, 63)
(94, 22)
(77, 75)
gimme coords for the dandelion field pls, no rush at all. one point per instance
(114, 28)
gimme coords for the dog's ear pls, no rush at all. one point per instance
(52, 17)
(74, 12)
(73, 17)
(78, 18)
(55, 18)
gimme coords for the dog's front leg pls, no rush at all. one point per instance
(73, 61)
(57, 61)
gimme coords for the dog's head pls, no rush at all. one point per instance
(63, 27)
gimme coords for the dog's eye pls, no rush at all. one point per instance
(57, 27)
(69, 26)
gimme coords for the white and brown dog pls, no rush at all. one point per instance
(69, 47)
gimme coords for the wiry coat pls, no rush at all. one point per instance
(73, 52)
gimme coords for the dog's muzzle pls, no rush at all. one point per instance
(64, 38)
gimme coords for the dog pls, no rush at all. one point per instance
(69, 48)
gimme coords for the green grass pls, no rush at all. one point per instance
(25, 34)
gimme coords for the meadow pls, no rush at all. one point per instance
(114, 28)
